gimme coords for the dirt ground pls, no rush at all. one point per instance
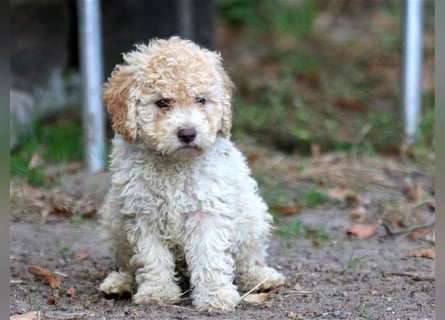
(334, 269)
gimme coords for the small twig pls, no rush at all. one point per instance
(409, 229)
(180, 307)
(183, 293)
(61, 274)
(256, 287)
(413, 277)
(391, 231)
(363, 132)
(15, 281)
(301, 291)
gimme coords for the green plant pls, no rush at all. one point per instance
(298, 229)
(353, 262)
(58, 141)
(65, 252)
(312, 198)
(77, 220)
(427, 121)
(32, 306)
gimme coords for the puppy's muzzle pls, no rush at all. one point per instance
(186, 135)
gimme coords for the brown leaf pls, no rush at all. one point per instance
(33, 315)
(420, 233)
(53, 280)
(348, 103)
(71, 292)
(362, 230)
(413, 191)
(52, 300)
(252, 158)
(287, 210)
(344, 194)
(293, 315)
(357, 215)
(256, 298)
(81, 255)
(310, 78)
(74, 167)
(260, 298)
(423, 253)
(315, 150)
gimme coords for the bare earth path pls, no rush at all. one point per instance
(331, 273)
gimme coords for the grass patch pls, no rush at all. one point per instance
(353, 262)
(65, 253)
(77, 220)
(321, 88)
(58, 141)
(312, 198)
(296, 228)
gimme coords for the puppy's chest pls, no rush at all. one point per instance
(177, 193)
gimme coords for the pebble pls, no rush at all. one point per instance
(337, 313)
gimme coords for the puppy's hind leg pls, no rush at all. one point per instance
(119, 282)
(251, 267)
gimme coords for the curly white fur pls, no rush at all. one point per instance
(180, 207)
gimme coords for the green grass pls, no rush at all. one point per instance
(312, 198)
(65, 253)
(297, 229)
(260, 15)
(58, 141)
(77, 220)
(353, 262)
(297, 108)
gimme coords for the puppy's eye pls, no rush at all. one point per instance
(163, 103)
(200, 100)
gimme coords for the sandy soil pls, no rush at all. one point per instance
(331, 274)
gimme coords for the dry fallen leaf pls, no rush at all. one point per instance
(413, 191)
(343, 194)
(52, 300)
(349, 103)
(362, 230)
(33, 315)
(420, 233)
(423, 253)
(71, 292)
(315, 150)
(260, 298)
(357, 215)
(256, 298)
(53, 280)
(81, 255)
(287, 210)
(292, 315)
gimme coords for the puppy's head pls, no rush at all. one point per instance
(172, 95)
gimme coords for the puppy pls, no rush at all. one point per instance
(182, 203)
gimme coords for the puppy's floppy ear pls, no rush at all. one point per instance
(226, 121)
(118, 97)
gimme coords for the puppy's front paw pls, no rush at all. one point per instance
(267, 277)
(221, 300)
(157, 294)
(274, 280)
(119, 283)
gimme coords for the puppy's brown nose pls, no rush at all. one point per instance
(187, 135)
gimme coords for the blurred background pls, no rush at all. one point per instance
(311, 76)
